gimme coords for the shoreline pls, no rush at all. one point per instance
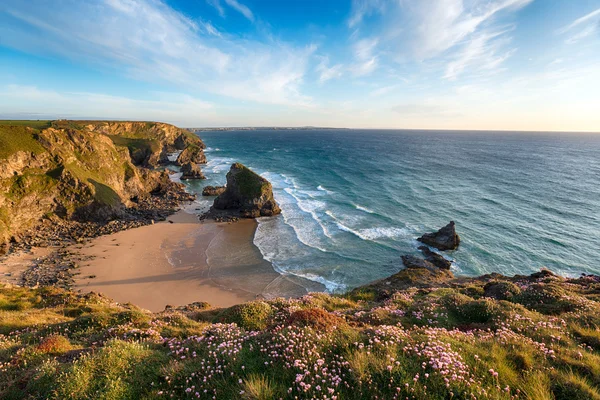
(181, 261)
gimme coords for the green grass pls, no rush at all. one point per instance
(36, 124)
(18, 138)
(250, 184)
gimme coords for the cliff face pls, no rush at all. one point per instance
(247, 193)
(89, 171)
(148, 142)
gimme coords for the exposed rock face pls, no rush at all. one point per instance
(148, 142)
(191, 154)
(191, 171)
(184, 140)
(81, 170)
(416, 262)
(213, 190)
(435, 258)
(247, 193)
(444, 239)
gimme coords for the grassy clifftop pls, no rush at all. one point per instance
(410, 336)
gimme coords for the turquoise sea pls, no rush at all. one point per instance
(354, 201)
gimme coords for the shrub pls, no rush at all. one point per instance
(316, 318)
(54, 345)
(501, 290)
(253, 315)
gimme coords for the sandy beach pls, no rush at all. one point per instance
(180, 262)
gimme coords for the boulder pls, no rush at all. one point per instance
(444, 239)
(213, 190)
(417, 262)
(247, 193)
(191, 171)
(435, 258)
(191, 154)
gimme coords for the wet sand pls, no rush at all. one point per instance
(180, 263)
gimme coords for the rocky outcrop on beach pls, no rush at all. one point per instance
(247, 195)
(213, 190)
(434, 258)
(191, 171)
(444, 239)
(85, 171)
(191, 154)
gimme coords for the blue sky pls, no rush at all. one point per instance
(432, 64)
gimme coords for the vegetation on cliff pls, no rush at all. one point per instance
(419, 334)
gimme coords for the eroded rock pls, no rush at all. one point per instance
(444, 239)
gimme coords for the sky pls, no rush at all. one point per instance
(409, 64)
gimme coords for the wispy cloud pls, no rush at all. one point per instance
(147, 40)
(217, 6)
(235, 4)
(242, 9)
(464, 34)
(582, 27)
(484, 52)
(365, 60)
(327, 72)
(363, 8)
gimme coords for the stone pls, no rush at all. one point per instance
(213, 190)
(191, 154)
(191, 171)
(435, 258)
(417, 262)
(444, 239)
(247, 194)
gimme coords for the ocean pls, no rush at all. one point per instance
(354, 201)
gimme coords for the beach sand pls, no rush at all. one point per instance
(181, 262)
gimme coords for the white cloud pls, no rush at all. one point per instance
(242, 9)
(235, 4)
(463, 34)
(217, 5)
(147, 40)
(583, 27)
(443, 24)
(482, 53)
(363, 8)
(365, 60)
(326, 72)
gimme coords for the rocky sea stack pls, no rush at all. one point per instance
(444, 239)
(191, 171)
(247, 194)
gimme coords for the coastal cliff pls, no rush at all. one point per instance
(86, 171)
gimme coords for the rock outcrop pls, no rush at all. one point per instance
(191, 171)
(148, 143)
(247, 194)
(213, 190)
(191, 154)
(435, 258)
(444, 239)
(416, 262)
(85, 171)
